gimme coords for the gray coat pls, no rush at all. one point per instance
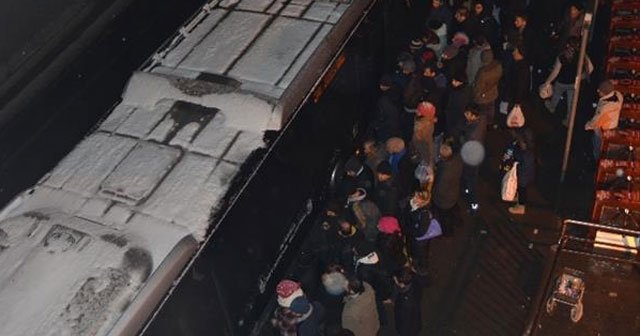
(446, 188)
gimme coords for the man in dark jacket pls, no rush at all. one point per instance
(386, 123)
(359, 174)
(386, 192)
(459, 98)
(407, 307)
(461, 23)
(446, 189)
(519, 78)
(440, 12)
(485, 24)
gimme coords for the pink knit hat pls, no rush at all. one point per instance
(388, 225)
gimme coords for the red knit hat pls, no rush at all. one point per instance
(426, 109)
(287, 291)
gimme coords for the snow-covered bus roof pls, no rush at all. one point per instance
(155, 171)
(263, 45)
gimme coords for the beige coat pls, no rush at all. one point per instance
(360, 314)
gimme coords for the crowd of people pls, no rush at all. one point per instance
(467, 72)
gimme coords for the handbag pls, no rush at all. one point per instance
(515, 117)
(434, 230)
(510, 184)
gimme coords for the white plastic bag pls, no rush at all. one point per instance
(515, 117)
(545, 91)
(510, 184)
(503, 107)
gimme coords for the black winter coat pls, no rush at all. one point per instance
(407, 310)
(387, 121)
(386, 198)
(458, 100)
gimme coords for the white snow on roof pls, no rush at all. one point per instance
(217, 51)
(275, 50)
(267, 42)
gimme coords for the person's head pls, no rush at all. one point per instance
(462, 13)
(408, 67)
(471, 113)
(345, 226)
(429, 70)
(403, 277)
(333, 208)
(421, 198)
(478, 7)
(395, 145)
(575, 10)
(429, 37)
(353, 167)
(480, 40)
(436, 3)
(369, 147)
(426, 110)
(446, 152)
(385, 82)
(383, 171)
(520, 20)
(355, 286)
(605, 88)
(415, 45)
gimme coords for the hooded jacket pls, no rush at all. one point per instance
(485, 88)
(607, 112)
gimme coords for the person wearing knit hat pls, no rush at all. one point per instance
(359, 174)
(288, 290)
(389, 225)
(415, 45)
(607, 114)
(423, 130)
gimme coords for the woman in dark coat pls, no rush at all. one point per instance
(407, 309)
(521, 150)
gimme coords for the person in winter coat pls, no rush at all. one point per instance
(374, 153)
(519, 79)
(440, 29)
(424, 126)
(285, 319)
(434, 84)
(325, 235)
(473, 129)
(485, 24)
(348, 237)
(369, 269)
(459, 98)
(310, 316)
(359, 314)
(390, 244)
(446, 188)
(485, 88)
(440, 12)
(607, 114)
(386, 192)
(365, 213)
(412, 96)
(564, 74)
(386, 123)
(461, 23)
(521, 151)
(474, 61)
(335, 284)
(401, 166)
(407, 303)
(571, 25)
(417, 223)
(359, 174)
